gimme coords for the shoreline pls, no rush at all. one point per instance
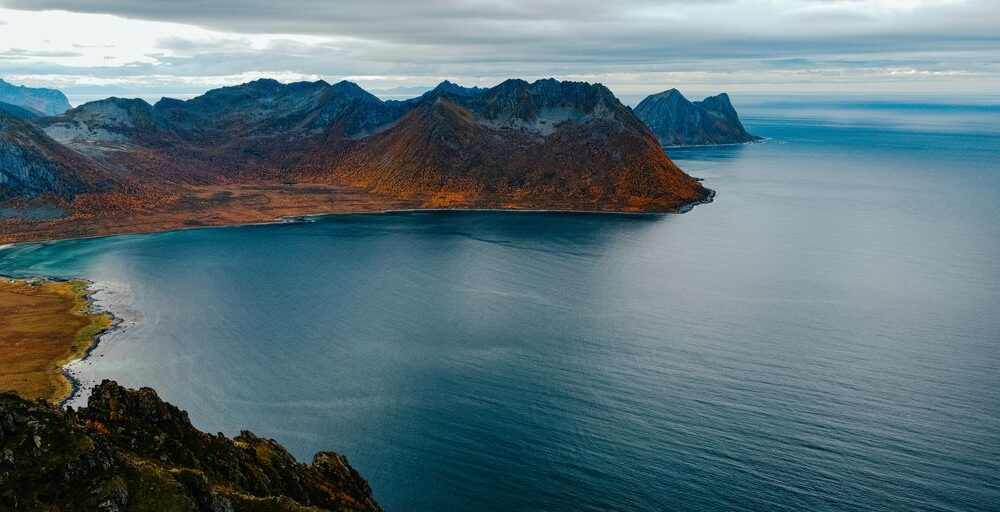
(295, 218)
(55, 324)
(95, 305)
(116, 325)
(758, 140)
(291, 219)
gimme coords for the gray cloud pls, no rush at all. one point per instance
(735, 43)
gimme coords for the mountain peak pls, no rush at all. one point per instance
(678, 122)
(668, 93)
(717, 102)
(263, 82)
(453, 88)
(348, 86)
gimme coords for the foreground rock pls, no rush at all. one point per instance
(130, 451)
(678, 122)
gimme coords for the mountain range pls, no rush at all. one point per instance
(264, 149)
(678, 122)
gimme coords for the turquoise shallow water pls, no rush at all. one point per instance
(825, 336)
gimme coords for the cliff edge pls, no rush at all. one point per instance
(130, 451)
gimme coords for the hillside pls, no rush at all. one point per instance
(32, 164)
(541, 145)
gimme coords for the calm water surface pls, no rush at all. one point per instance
(825, 336)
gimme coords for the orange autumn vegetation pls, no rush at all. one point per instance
(43, 326)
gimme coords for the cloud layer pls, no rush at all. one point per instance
(635, 46)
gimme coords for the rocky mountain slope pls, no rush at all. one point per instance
(32, 164)
(46, 102)
(130, 451)
(233, 152)
(678, 122)
(546, 144)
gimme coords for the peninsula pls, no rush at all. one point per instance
(265, 150)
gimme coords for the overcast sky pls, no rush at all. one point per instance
(147, 48)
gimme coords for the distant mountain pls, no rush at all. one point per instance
(678, 122)
(46, 102)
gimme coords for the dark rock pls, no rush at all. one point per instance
(129, 450)
(678, 122)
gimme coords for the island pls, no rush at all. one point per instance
(677, 122)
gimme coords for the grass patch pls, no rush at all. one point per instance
(44, 325)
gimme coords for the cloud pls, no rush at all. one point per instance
(631, 44)
(21, 53)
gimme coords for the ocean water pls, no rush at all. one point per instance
(825, 336)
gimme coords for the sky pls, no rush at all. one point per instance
(91, 49)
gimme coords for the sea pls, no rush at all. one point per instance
(824, 336)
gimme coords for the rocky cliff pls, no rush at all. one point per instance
(130, 451)
(678, 122)
(32, 164)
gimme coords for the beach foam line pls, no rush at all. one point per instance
(116, 299)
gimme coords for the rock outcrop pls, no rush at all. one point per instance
(130, 451)
(678, 122)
